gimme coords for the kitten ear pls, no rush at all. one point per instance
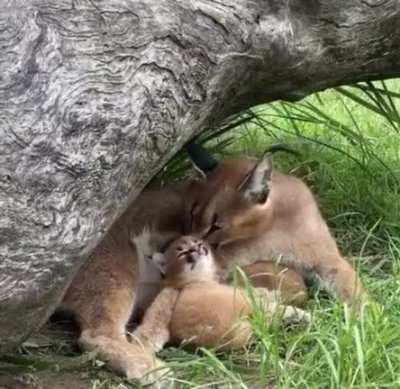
(256, 186)
(160, 262)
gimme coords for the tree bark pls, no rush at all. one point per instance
(95, 96)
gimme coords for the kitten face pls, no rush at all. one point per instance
(189, 259)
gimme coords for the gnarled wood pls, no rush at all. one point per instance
(95, 96)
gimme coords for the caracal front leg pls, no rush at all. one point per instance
(273, 306)
(337, 275)
(101, 297)
(273, 276)
(154, 329)
(132, 360)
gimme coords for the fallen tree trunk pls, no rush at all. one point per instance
(95, 96)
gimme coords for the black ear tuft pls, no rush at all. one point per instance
(202, 160)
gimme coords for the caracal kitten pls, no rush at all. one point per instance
(195, 309)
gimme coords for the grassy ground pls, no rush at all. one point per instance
(350, 156)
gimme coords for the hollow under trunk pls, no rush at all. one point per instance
(96, 96)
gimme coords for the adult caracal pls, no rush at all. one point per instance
(104, 291)
(251, 213)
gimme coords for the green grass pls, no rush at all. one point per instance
(349, 140)
(350, 156)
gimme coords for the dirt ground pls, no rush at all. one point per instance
(47, 380)
(51, 360)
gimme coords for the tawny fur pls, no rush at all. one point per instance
(287, 228)
(103, 292)
(272, 276)
(148, 283)
(195, 309)
(275, 219)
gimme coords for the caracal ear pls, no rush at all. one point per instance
(203, 162)
(198, 175)
(256, 186)
(141, 238)
(141, 241)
